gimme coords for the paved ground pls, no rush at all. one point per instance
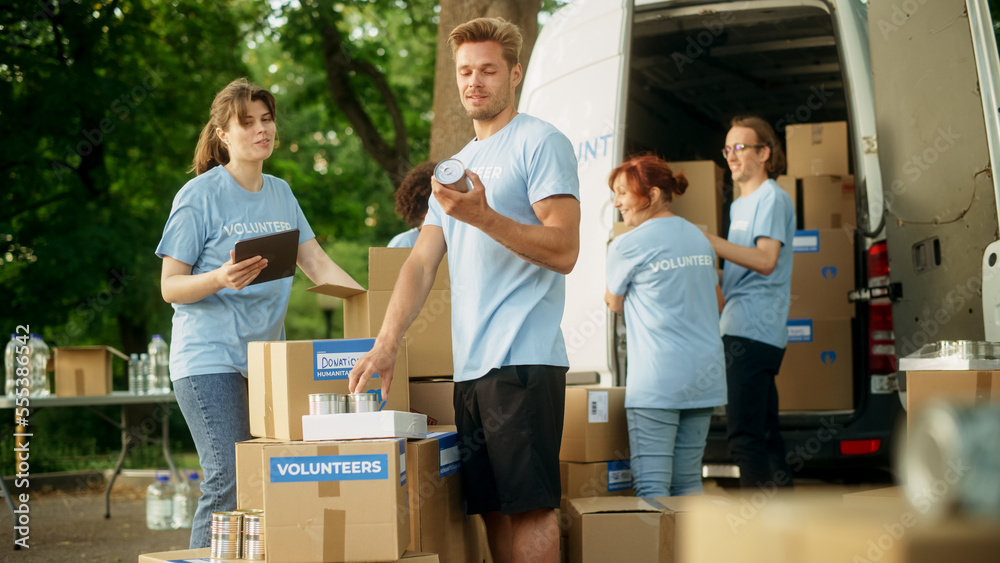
(70, 527)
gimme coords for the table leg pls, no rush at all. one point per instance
(165, 424)
(118, 468)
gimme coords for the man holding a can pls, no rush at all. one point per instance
(510, 241)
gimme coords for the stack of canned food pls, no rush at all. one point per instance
(335, 403)
(238, 534)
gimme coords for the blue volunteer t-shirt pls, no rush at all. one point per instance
(504, 310)
(209, 215)
(665, 267)
(405, 239)
(757, 305)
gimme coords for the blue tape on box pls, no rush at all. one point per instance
(367, 467)
(800, 330)
(619, 476)
(334, 359)
(806, 241)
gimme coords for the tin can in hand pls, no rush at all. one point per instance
(450, 173)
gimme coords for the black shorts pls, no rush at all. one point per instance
(510, 425)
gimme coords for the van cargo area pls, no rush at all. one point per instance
(690, 70)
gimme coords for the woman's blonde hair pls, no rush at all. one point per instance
(235, 98)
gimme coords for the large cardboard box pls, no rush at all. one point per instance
(701, 203)
(817, 370)
(820, 528)
(629, 528)
(249, 476)
(590, 480)
(822, 275)
(828, 202)
(594, 426)
(198, 555)
(791, 185)
(434, 398)
(878, 498)
(962, 387)
(817, 149)
(282, 375)
(428, 338)
(331, 501)
(437, 522)
(84, 370)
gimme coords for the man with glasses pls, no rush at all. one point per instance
(756, 282)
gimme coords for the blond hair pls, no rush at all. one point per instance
(497, 30)
(235, 98)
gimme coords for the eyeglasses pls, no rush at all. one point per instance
(738, 148)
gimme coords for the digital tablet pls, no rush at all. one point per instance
(281, 250)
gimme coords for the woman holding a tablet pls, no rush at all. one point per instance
(217, 310)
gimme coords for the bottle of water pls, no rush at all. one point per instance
(134, 381)
(186, 495)
(10, 365)
(160, 503)
(146, 373)
(38, 359)
(159, 356)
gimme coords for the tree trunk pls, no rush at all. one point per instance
(452, 128)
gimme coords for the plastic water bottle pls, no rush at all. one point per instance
(159, 356)
(39, 362)
(10, 366)
(146, 374)
(186, 495)
(160, 503)
(134, 381)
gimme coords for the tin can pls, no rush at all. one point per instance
(327, 403)
(951, 460)
(226, 540)
(253, 535)
(450, 172)
(362, 402)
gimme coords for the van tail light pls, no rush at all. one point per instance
(859, 447)
(881, 338)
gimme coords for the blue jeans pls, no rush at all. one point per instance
(667, 447)
(217, 410)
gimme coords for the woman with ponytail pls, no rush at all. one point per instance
(216, 310)
(662, 276)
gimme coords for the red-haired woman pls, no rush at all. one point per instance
(662, 275)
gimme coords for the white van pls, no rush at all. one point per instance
(916, 81)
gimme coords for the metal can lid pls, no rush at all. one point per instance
(449, 171)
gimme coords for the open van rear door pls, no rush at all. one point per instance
(583, 48)
(935, 70)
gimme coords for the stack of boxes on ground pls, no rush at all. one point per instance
(816, 373)
(380, 487)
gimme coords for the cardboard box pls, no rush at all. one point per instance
(963, 387)
(701, 203)
(822, 275)
(84, 371)
(434, 398)
(600, 479)
(629, 528)
(185, 555)
(283, 374)
(880, 498)
(437, 522)
(429, 337)
(363, 425)
(817, 370)
(594, 427)
(805, 527)
(332, 501)
(817, 149)
(791, 185)
(828, 202)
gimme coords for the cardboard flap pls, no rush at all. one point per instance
(384, 265)
(596, 505)
(337, 290)
(118, 353)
